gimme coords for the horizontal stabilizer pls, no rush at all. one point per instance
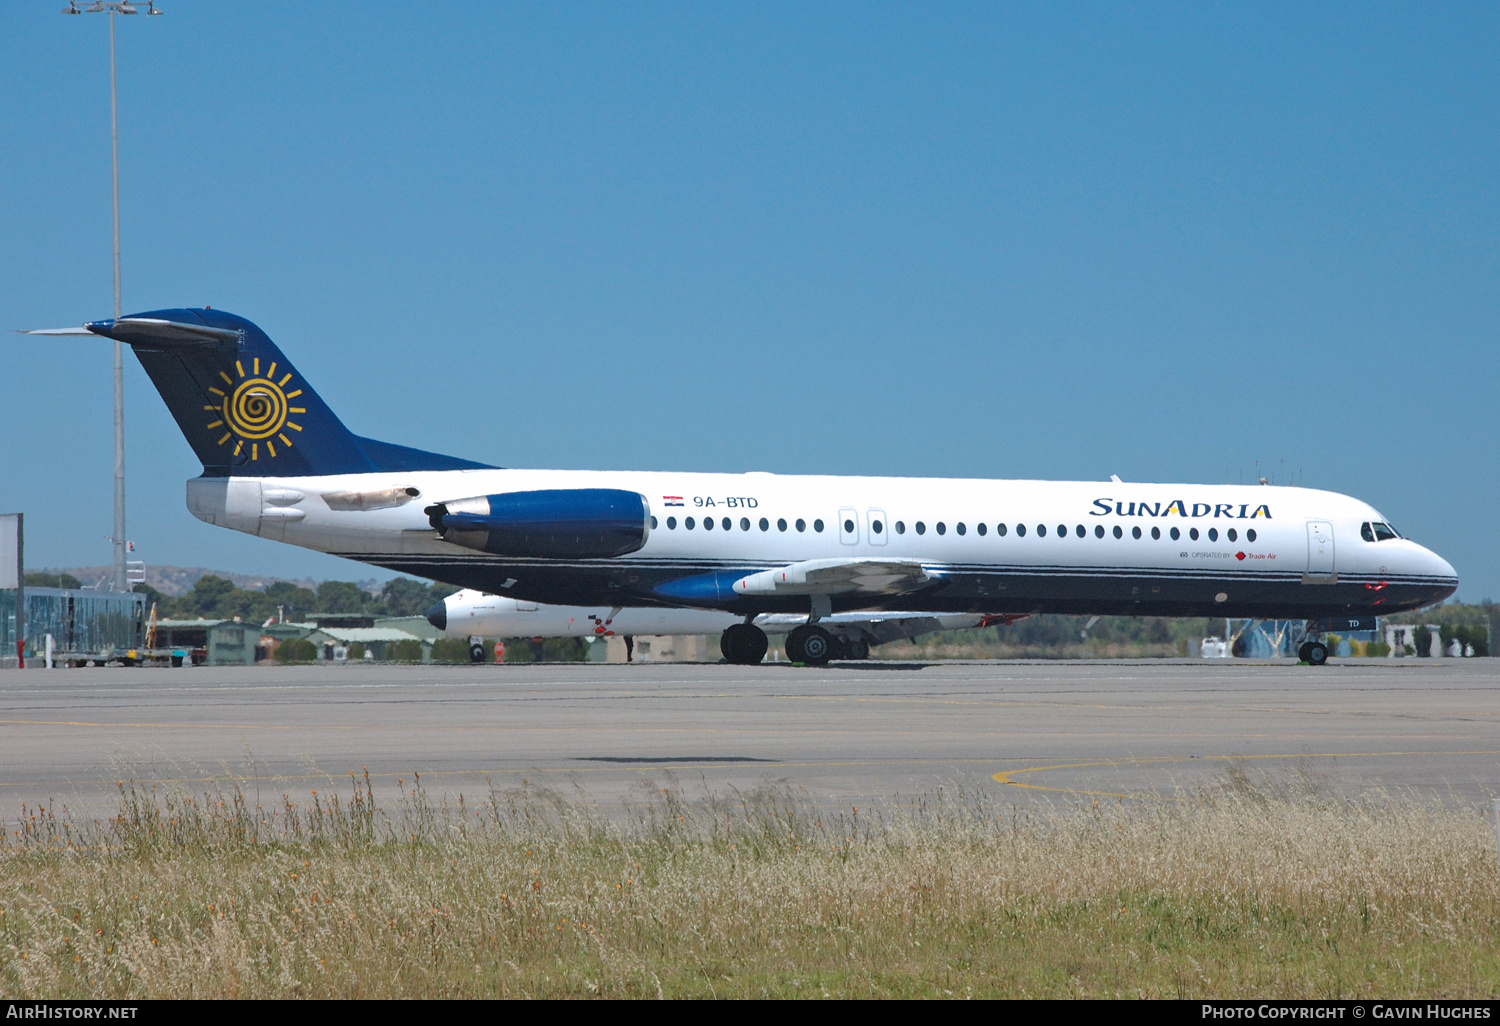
(148, 331)
(841, 577)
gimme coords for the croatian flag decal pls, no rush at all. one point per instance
(671, 500)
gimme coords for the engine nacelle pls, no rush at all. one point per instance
(560, 523)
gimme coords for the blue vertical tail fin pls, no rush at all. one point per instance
(243, 407)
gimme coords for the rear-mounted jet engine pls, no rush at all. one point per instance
(564, 523)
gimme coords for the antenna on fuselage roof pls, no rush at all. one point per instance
(1116, 479)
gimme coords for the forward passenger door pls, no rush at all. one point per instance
(1320, 561)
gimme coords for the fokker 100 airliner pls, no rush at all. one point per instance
(277, 463)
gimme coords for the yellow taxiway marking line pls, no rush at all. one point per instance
(1004, 776)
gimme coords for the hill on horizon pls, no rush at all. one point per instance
(177, 581)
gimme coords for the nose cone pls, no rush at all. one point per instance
(1430, 564)
(438, 615)
(1438, 570)
(1444, 568)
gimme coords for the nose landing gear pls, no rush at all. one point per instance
(1314, 653)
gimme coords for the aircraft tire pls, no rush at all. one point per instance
(743, 644)
(755, 644)
(1317, 653)
(856, 648)
(476, 653)
(1302, 651)
(815, 644)
(793, 646)
(732, 644)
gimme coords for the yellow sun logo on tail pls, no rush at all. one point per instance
(254, 410)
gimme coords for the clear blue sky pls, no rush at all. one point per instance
(1055, 240)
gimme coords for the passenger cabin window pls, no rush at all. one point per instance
(1041, 530)
(982, 529)
(1021, 530)
(801, 524)
(1062, 530)
(765, 525)
(1082, 531)
(781, 523)
(1119, 533)
(708, 523)
(653, 523)
(671, 523)
(876, 527)
(960, 528)
(1156, 534)
(1099, 531)
(942, 528)
(1176, 534)
(1233, 534)
(1193, 533)
(818, 526)
(1249, 534)
(1135, 532)
(921, 527)
(901, 527)
(688, 523)
(744, 523)
(848, 527)
(727, 523)
(1213, 534)
(1000, 530)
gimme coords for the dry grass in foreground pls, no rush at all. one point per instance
(1251, 890)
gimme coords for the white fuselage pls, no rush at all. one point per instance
(994, 545)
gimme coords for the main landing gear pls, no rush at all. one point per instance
(743, 644)
(1314, 653)
(810, 644)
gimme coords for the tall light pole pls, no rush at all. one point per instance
(113, 7)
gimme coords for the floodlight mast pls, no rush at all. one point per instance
(113, 7)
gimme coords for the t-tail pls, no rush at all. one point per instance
(244, 408)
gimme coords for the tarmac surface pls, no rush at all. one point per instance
(846, 734)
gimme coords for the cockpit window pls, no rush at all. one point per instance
(1375, 531)
(1366, 531)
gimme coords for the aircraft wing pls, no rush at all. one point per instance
(896, 627)
(842, 577)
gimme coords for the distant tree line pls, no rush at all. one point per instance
(44, 580)
(214, 597)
